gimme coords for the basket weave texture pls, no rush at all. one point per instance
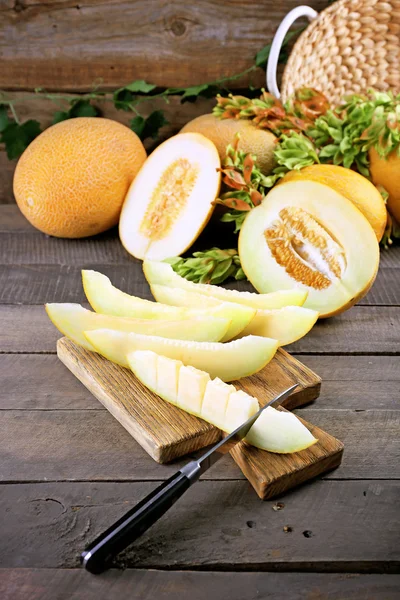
(352, 46)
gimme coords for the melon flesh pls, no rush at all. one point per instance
(72, 320)
(163, 274)
(279, 431)
(221, 404)
(107, 299)
(286, 324)
(171, 199)
(229, 361)
(306, 234)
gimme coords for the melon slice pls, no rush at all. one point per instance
(171, 199)
(107, 299)
(220, 404)
(286, 324)
(306, 234)
(280, 431)
(72, 320)
(229, 361)
(163, 274)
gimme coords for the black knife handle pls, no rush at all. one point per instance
(134, 523)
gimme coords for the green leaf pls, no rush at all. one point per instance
(153, 124)
(83, 108)
(59, 116)
(262, 56)
(17, 137)
(139, 87)
(194, 91)
(4, 120)
(137, 125)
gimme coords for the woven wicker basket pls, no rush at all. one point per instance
(348, 48)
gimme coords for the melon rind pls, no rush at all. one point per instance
(162, 273)
(229, 361)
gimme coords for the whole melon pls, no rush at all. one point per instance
(72, 179)
(222, 132)
(386, 172)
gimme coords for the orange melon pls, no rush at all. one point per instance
(71, 181)
(386, 172)
(222, 132)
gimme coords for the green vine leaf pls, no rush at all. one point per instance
(205, 90)
(124, 97)
(262, 56)
(78, 108)
(17, 137)
(149, 127)
(4, 120)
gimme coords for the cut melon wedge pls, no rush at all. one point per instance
(171, 198)
(306, 234)
(220, 404)
(106, 299)
(280, 431)
(163, 274)
(286, 324)
(229, 361)
(72, 320)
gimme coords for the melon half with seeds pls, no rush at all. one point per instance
(306, 234)
(172, 198)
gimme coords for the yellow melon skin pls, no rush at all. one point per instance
(222, 132)
(386, 172)
(353, 186)
(306, 234)
(72, 179)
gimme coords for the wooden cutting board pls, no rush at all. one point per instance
(166, 432)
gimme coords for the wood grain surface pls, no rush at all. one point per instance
(336, 526)
(72, 46)
(164, 431)
(67, 584)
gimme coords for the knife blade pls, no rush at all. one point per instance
(98, 555)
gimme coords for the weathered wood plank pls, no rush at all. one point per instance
(217, 525)
(361, 330)
(92, 445)
(70, 46)
(67, 584)
(36, 284)
(348, 382)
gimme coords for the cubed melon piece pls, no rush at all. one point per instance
(240, 408)
(191, 388)
(168, 377)
(215, 401)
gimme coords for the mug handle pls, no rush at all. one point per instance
(272, 65)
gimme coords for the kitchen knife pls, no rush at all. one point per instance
(98, 555)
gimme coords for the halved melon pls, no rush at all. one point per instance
(227, 361)
(163, 274)
(171, 199)
(107, 299)
(286, 324)
(218, 403)
(280, 431)
(72, 320)
(306, 234)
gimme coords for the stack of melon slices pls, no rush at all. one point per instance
(185, 349)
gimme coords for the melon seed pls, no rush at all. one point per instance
(306, 250)
(169, 198)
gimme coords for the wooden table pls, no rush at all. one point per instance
(68, 469)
